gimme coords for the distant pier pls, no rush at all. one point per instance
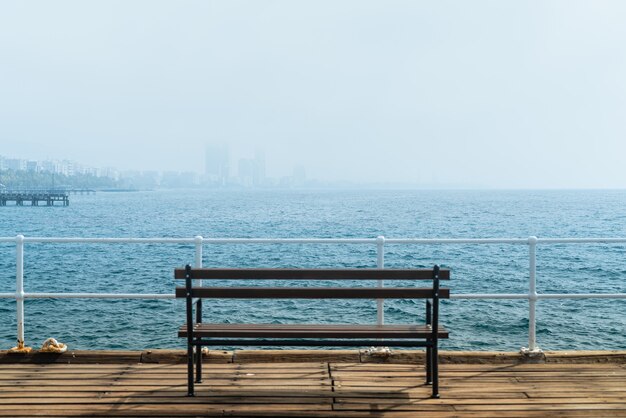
(38, 197)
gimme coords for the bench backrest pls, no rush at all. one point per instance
(236, 292)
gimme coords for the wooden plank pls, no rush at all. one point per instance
(274, 358)
(445, 386)
(310, 274)
(418, 395)
(74, 357)
(547, 408)
(479, 401)
(174, 367)
(408, 377)
(588, 377)
(121, 409)
(311, 331)
(538, 367)
(312, 293)
(228, 412)
(180, 356)
(142, 382)
(189, 408)
(402, 357)
(587, 392)
(174, 400)
(173, 378)
(154, 373)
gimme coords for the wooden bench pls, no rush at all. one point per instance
(200, 334)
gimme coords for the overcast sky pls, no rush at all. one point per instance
(504, 94)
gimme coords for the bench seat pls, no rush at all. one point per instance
(209, 330)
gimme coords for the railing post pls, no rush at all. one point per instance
(380, 263)
(197, 262)
(19, 295)
(198, 258)
(532, 298)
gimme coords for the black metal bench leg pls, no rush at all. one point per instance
(199, 347)
(190, 388)
(435, 371)
(429, 352)
(429, 366)
(189, 315)
(198, 364)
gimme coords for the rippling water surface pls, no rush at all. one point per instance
(475, 324)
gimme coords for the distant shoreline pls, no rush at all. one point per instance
(121, 190)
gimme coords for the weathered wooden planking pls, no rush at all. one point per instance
(535, 367)
(314, 390)
(171, 399)
(484, 400)
(311, 414)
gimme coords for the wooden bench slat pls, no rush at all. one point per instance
(311, 293)
(310, 274)
(311, 331)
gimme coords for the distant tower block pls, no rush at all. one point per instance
(258, 175)
(299, 175)
(216, 165)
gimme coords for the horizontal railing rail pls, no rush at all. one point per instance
(380, 242)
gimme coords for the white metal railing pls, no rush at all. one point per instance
(380, 242)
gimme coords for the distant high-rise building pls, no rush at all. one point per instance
(251, 172)
(217, 169)
(258, 175)
(33, 166)
(245, 171)
(299, 175)
(15, 164)
(67, 168)
(109, 172)
(51, 166)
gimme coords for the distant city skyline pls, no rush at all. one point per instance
(62, 166)
(477, 94)
(250, 172)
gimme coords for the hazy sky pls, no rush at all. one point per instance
(465, 93)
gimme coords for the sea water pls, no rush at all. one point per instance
(474, 324)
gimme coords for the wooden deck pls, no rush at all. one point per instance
(317, 389)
